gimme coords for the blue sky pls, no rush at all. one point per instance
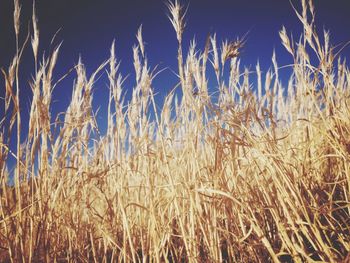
(88, 27)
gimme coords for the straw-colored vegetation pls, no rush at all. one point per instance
(257, 172)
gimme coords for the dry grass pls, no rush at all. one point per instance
(259, 175)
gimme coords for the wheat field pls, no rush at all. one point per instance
(258, 172)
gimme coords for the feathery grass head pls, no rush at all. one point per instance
(35, 38)
(177, 17)
(231, 49)
(140, 41)
(16, 16)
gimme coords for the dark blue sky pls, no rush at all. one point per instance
(88, 28)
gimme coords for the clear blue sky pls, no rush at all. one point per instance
(88, 28)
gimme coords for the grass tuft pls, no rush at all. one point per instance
(261, 173)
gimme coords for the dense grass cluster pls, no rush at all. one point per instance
(260, 173)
